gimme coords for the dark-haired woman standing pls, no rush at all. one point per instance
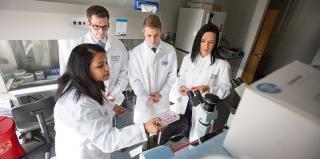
(201, 70)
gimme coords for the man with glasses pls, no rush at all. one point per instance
(98, 24)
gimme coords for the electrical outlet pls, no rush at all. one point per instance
(79, 22)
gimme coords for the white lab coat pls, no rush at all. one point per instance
(151, 72)
(117, 59)
(216, 76)
(84, 129)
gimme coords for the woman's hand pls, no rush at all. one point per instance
(183, 90)
(154, 126)
(202, 88)
(119, 110)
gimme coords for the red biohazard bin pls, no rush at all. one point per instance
(10, 147)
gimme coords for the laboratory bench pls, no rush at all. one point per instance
(211, 147)
(208, 146)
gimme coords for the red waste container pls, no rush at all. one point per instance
(10, 147)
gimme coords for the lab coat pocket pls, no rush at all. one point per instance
(115, 58)
(163, 68)
(212, 82)
(164, 63)
(213, 79)
(106, 113)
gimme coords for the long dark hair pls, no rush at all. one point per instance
(77, 73)
(197, 41)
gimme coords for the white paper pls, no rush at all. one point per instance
(136, 151)
(121, 27)
(148, 8)
(5, 105)
(168, 117)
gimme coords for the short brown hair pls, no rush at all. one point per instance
(99, 11)
(152, 21)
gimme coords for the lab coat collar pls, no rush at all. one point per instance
(95, 41)
(203, 60)
(146, 46)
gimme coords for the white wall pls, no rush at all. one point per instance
(31, 19)
(242, 24)
(252, 33)
(238, 20)
(169, 12)
(35, 20)
(35, 25)
(296, 39)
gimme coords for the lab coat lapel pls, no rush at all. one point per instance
(149, 60)
(89, 39)
(108, 44)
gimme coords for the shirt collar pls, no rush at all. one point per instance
(96, 40)
(157, 46)
(205, 59)
(108, 41)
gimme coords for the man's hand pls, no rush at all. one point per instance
(151, 100)
(183, 90)
(119, 110)
(154, 98)
(157, 96)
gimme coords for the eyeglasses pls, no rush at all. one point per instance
(98, 27)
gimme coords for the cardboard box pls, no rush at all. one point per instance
(211, 6)
(216, 7)
(199, 5)
(279, 116)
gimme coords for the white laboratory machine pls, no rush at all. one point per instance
(203, 113)
(278, 116)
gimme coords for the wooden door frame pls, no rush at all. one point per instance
(259, 48)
